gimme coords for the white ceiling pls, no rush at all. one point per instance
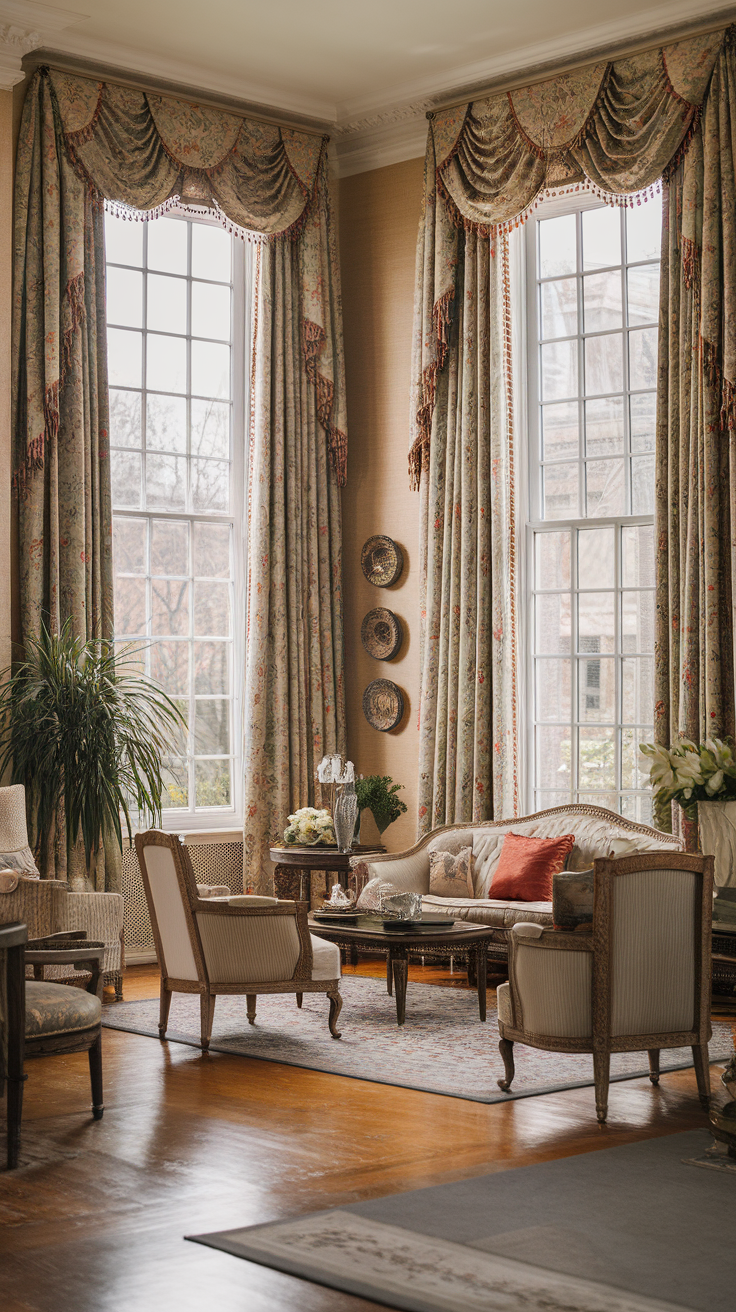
(345, 61)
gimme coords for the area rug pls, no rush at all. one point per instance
(629, 1229)
(442, 1048)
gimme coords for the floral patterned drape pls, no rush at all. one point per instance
(84, 142)
(614, 127)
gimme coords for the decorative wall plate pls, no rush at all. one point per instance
(380, 634)
(381, 561)
(383, 704)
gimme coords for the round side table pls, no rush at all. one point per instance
(294, 866)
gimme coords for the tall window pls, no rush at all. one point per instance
(593, 288)
(176, 433)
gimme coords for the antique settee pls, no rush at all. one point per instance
(598, 833)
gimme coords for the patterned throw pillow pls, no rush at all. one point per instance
(451, 873)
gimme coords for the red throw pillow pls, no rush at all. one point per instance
(526, 866)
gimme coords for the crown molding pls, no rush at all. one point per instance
(390, 139)
(25, 26)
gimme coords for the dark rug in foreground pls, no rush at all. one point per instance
(630, 1229)
(442, 1048)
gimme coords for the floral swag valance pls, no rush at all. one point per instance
(147, 151)
(617, 127)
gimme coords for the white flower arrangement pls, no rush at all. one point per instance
(308, 827)
(689, 773)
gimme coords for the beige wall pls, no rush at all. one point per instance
(379, 218)
(6, 293)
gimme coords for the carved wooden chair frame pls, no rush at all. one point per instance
(599, 943)
(300, 982)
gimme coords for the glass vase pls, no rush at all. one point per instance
(346, 813)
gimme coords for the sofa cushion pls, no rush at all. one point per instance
(451, 873)
(408, 874)
(526, 866)
(59, 1009)
(486, 911)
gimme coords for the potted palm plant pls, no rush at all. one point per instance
(85, 731)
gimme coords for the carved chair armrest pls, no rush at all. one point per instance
(84, 956)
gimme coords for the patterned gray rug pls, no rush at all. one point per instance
(442, 1048)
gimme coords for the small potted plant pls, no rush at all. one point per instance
(377, 793)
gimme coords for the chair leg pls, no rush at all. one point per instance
(506, 1049)
(335, 1009)
(95, 1075)
(118, 988)
(702, 1071)
(299, 999)
(653, 1054)
(207, 1015)
(389, 976)
(250, 999)
(163, 1013)
(602, 1074)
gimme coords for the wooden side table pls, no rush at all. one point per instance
(294, 866)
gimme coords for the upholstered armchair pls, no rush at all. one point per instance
(639, 981)
(241, 944)
(49, 906)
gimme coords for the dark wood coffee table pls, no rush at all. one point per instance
(398, 944)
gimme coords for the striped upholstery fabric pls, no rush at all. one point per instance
(653, 959)
(172, 925)
(503, 1002)
(254, 948)
(555, 988)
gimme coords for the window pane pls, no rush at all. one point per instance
(596, 558)
(123, 241)
(553, 623)
(176, 783)
(597, 690)
(170, 666)
(596, 622)
(557, 246)
(210, 429)
(552, 560)
(167, 245)
(166, 423)
(637, 625)
(212, 728)
(210, 370)
(129, 545)
(211, 253)
(210, 311)
(602, 301)
(560, 491)
(125, 418)
(211, 667)
(212, 609)
(644, 230)
(644, 294)
(210, 485)
(596, 758)
(559, 370)
(125, 297)
(643, 358)
(212, 551)
(212, 781)
(560, 431)
(634, 767)
(130, 607)
(601, 238)
(125, 473)
(638, 556)
(544, 801)
(169, 548)
(124, 357)
(637, 679)
(166, 486)
(170, 607)
(167, 364)
(638, 807)
(605, 486)
(604, 426)
(553, 689)
(642, 485)
(643, 421)
(604, 371)
(167, 304)
(559, 308)
(553, 757)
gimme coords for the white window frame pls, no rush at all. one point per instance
(222, 818)
(523, 251)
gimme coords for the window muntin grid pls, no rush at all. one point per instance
(593, 341)
(170, 340)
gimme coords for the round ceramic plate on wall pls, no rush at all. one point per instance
(380, 634)
(381, 561)
(383, 704)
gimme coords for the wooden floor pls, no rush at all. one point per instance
(94, 1218)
